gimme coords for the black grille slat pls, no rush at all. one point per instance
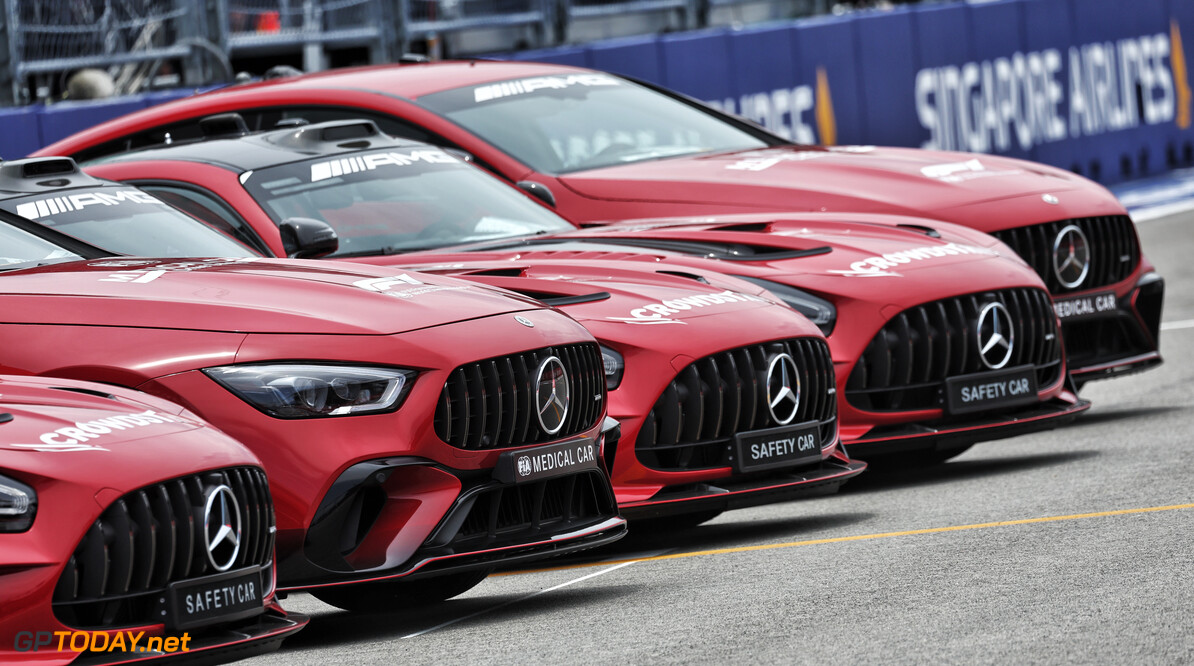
(150, 538)
(1111, 239)
(693, 423)
(517, 514)
(491, 403)
(144, 539)
(952, 323)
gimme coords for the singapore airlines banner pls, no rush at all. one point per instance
(1101, 87)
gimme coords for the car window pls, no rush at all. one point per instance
(21, 249)
(208, 209)
(259, 119)
(390, 200)
(567, 123)
(124, 220)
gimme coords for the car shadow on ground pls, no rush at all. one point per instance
(1102, 415)
(335, 627)
(881, 478)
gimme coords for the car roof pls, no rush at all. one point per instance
(248, 152)
(412, 80)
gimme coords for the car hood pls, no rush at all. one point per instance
(836, 254)
(936, 184)
(246, 296)
(104, 436)
(672, 308)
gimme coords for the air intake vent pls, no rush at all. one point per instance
(1111, 242)
(493, 404)
(693, 423)
(905, 366)
(153, 537)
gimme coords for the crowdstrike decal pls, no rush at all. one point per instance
(879, 266)
(346, 165)
(661, 312)
(75, 438)
(1027, 99)
(523, 86)
(73, 202)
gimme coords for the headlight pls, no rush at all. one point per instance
(297, 391)
(18, 505)
(818, 310)
(614, 367)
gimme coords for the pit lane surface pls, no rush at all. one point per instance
(1034, 549)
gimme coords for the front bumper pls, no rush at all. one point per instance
(220, 645)
(409, 518)
(887, 440)
(1116, 342)
(749, 490)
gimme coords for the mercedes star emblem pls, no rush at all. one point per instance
(551, 394)
(1071, 256)
(221, 527)
(995, 335)
(783, 389)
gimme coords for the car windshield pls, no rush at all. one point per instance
(21, 249)
(561, 124)
(125, 220)
(388, 201)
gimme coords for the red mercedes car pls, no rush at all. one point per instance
(682, 455)
(909, 346)
(601, 147)
(418, 430)
(122, 513)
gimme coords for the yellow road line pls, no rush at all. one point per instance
(858, 537)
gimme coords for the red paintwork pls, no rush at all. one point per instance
(864, 304)
(157, 335)
(74, 487)
(798, 178)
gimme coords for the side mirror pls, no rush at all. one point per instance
(537, 190)
(307, 238)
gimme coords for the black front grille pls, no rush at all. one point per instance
(152, 537)
(490, 404)
(692, 425)
(518, 514)
(1114, 249)
(905, 366)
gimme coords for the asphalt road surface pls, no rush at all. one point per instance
(1071, 546)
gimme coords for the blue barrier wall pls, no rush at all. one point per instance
(1101, 87)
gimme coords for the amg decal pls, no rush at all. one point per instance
(72, 202)
(369, 162)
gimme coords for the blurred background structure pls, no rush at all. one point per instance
(129, 46)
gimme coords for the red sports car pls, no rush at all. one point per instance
(683, 455)
(418, 430)
(601, 147)
(122, 513)
(913, 343)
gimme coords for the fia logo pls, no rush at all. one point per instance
(524, 466)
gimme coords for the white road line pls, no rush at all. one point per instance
(514, 601)
(1173, 325)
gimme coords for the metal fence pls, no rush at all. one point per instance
(191, 42)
